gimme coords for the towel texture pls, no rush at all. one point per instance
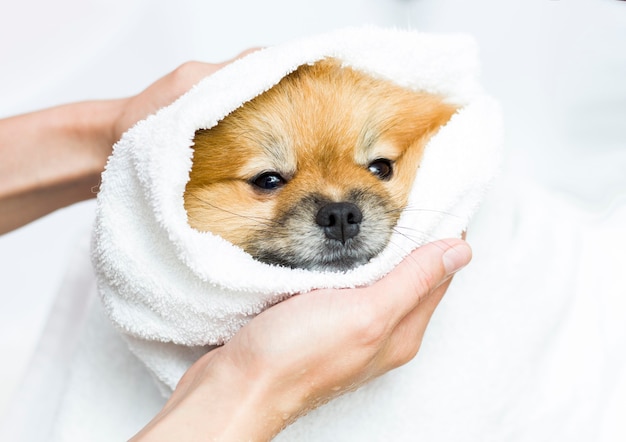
(174, 291)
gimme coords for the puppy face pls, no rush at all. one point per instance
(315, 172)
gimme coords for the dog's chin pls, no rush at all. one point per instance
(338, 265)
(325, 262)
(341, 265)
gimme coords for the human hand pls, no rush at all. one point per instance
(307, 350)
(163, 92)
(54, 157)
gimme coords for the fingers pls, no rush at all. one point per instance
(456, 256)
(406, 338)
(188, 74)
(410, 294)
(423, 271)
(191, 72)
(163, 92)
(241, 55)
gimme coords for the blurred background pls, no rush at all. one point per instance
(557, 66)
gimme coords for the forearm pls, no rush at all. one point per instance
(52, 158)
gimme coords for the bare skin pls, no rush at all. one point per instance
(288, 360)
(54, 157)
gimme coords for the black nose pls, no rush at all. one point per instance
(339, 220)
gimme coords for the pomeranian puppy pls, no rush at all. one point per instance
(315, 172)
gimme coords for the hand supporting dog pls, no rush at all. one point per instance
(307, 350)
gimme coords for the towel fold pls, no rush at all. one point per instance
(173, 291)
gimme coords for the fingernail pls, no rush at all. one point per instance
(457, 257)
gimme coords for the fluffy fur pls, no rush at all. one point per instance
(315, 172)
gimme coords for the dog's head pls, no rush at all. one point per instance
(315, 172)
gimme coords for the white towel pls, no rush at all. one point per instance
(174, 291)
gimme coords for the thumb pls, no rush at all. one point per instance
(425, 269)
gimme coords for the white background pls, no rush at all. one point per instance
(557, 66)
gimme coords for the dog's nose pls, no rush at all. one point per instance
(339, 220)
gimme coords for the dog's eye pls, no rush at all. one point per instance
(381, 168)
(268, 181)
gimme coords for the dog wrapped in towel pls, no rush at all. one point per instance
(173, 291)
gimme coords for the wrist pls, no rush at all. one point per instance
(256, 408)
(53, 158)
(220, 400)
(91, 125)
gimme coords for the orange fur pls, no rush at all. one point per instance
(320, 129)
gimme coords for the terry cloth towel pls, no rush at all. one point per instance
(173, 291)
